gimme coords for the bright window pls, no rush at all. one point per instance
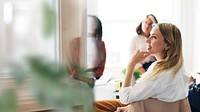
(28, 28)
(120, 19)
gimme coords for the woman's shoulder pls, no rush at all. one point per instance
(183, 74)
(138, 37)
(169, 75)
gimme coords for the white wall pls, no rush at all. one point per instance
(186, 24)
(189, 14)
(196, 55)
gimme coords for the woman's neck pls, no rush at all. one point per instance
(159, 57)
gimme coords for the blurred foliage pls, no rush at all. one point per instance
(19, 73)
(50, 81)
(51, 85)
(137, 73)
(8, 100)
(47, 70)
(124, 71)
(48, 19)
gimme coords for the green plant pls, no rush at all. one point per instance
(51, 85)
(136, 72)
(8, 100)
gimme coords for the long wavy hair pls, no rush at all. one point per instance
(173, 57)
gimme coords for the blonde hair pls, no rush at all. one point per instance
(173, 57)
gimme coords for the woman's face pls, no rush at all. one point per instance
(156, 44)
(147, 26)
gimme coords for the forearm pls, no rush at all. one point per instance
(138, 57)
(129, 78)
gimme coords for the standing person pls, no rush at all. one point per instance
(164, 87)
(96, 53)
(139, 41)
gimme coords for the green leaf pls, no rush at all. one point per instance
(136, 73)
(8, 101)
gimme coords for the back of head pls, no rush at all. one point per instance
(95, 26)
(172, 37)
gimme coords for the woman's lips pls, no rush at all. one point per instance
(149, 47)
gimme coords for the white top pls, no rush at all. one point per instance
(164, 87)
(139, 43)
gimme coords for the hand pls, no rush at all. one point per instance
(122, 109)
(192, 80)
(74, 73)
(139, 56)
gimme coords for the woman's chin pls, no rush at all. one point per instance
(149, 51)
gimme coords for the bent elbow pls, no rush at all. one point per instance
(125, 100)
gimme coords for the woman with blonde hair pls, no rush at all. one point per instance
(164, 87)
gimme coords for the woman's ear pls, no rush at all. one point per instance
(167, 47)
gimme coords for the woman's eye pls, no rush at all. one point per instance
(153, 37)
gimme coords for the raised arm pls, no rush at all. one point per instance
(138, 57)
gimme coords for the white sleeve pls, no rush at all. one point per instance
(140, 91)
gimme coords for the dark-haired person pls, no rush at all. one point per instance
(139, 41)
(96, 53)
(194, 95)
(96, 50)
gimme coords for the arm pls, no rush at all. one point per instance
(139, 91)
(138, 57)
